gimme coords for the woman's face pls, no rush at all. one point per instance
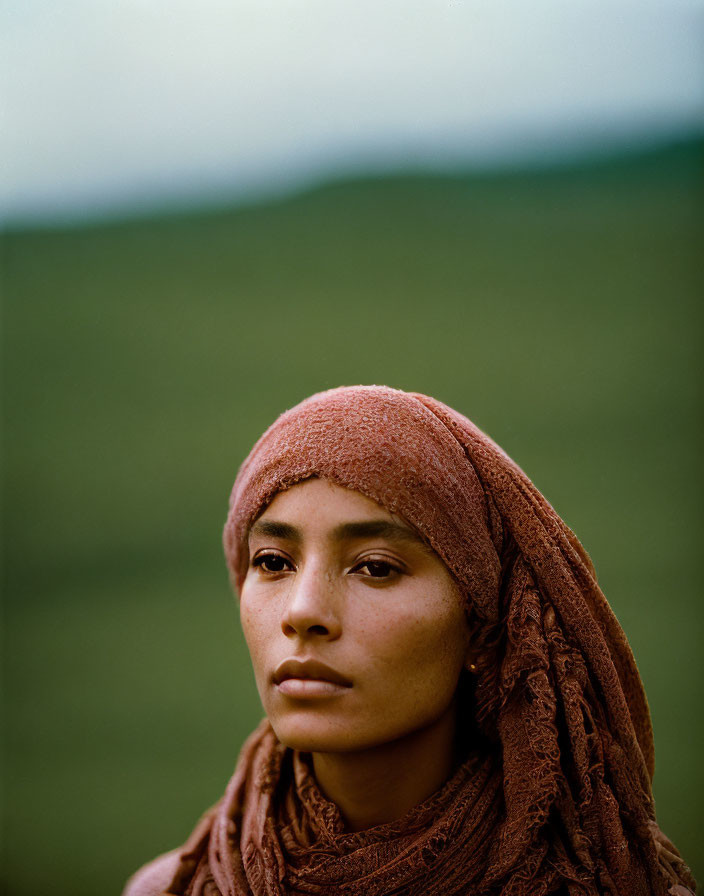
(355, 627)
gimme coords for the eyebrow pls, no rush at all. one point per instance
(344, 532)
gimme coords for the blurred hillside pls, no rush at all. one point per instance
(559, 309)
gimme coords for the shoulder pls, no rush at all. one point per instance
(154, 877)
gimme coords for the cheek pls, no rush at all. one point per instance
(256, 628)
(421, 653)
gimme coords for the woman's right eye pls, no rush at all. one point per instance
(271, 563)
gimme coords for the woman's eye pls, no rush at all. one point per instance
(271, 563)
(376, 569)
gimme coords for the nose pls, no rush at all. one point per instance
(312, 607)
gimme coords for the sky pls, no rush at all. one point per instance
(112, 106)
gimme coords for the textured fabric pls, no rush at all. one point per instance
(155, 877)
(558, 798)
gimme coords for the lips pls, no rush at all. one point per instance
(309, 670)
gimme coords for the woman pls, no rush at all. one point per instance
(452, 707)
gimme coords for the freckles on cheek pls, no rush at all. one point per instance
(245, 620)
(429, 642)
(252, 627)
(256, 640)
(404, 640)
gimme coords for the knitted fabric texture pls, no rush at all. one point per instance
(558, 799)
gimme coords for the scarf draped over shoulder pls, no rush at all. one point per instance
(561, 802)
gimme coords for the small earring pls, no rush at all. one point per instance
(472, 668)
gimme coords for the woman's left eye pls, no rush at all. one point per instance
(376, 569)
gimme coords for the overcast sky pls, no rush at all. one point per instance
(111, 104)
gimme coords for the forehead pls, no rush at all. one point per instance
(318, 508)
(327, 500)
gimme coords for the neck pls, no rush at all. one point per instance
(381, 784)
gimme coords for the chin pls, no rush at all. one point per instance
(312, 736)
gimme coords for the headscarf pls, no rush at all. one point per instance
(561, 801)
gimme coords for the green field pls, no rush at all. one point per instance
(561, 310)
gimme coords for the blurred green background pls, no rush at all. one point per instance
(559, 309)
